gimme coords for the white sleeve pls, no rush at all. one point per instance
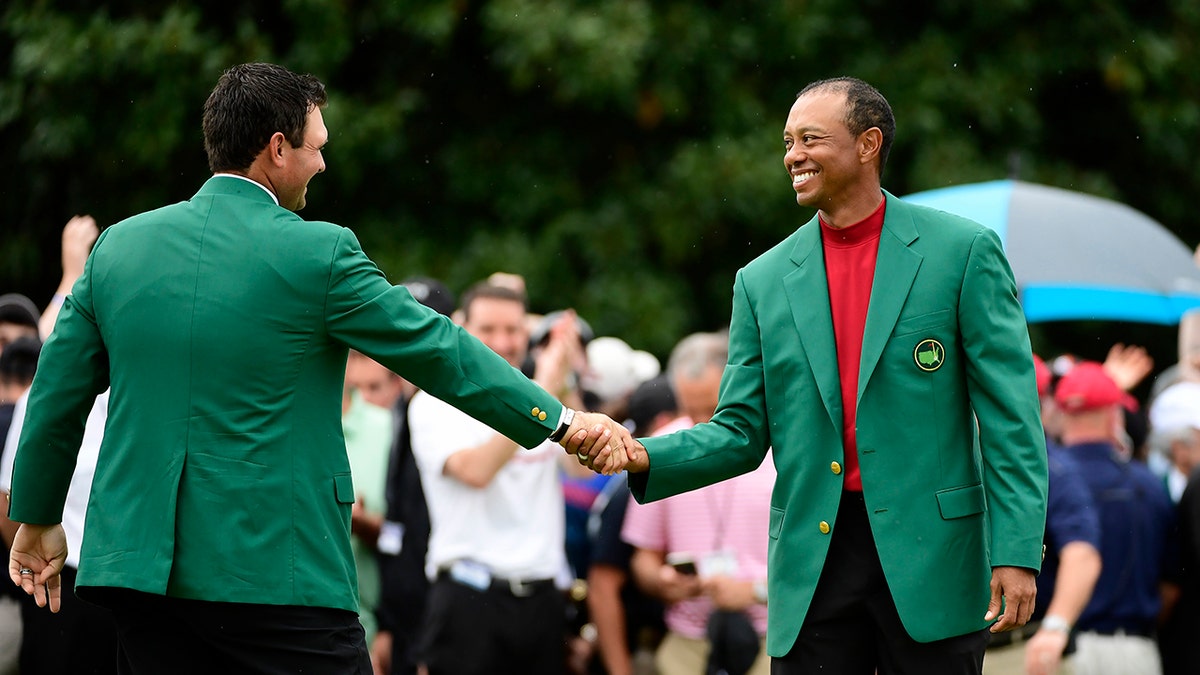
(10, 443)
(438, 430)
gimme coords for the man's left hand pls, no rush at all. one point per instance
(729, 593)
(1016, 585)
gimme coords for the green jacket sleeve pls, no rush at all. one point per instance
(1001, 384)
(383, 321)
(72, 372)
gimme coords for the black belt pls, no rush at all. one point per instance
(518, 588)
(1136, 631)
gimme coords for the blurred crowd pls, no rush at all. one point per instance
(476, 555)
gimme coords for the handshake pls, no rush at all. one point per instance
(603, 445)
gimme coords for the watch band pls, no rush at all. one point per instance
(1055, 623)
(563, 425)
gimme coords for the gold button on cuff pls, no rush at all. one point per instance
(535, 412)
(824, 527)
(835, 468)
(542, 416)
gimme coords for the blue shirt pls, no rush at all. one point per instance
(1135, 516)
(1070, 516)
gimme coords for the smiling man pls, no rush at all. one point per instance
(218, 529)
(880, 353)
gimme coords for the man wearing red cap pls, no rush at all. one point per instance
(1070, 568)
(1115, 630)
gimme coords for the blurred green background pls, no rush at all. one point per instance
(625, 156)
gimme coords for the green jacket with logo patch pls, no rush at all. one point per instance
(951, 450)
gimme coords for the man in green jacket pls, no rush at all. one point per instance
(882, 354)
(219, 524)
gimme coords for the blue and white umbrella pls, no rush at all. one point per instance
(1077, 256)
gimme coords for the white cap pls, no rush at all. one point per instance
(1178, 406)
(615, 369)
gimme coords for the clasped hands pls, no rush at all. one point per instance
(603, 445)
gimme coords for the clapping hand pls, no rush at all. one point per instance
(1128, 365)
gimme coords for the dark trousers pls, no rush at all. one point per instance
(80, 638)
(158, 635)
(493, 632)
(852, 626)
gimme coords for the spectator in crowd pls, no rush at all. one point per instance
(496, 556)
(404, 535)
(18, 318)
(1115, 631)
(704, 553)
(226, 353)
(18, 362)
(81, 637)
(614, 370)
(16, 374)
(1069, 571)
(1127, 366)
(368, 394)
(1175, 434)
(629, 623)
(1177, 639)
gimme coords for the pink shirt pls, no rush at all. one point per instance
(731, 515)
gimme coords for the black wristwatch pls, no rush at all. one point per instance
(563, 426)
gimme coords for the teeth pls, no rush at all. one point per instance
(802, 177)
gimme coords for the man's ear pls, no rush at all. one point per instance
(869, 143)
(275, 148)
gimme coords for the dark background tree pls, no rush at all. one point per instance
(623, 155)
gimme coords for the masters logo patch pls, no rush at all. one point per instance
(929, 355)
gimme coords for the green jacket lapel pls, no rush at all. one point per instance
(895, 269)
(807, 289)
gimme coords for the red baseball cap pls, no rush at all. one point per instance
(1042, 372)
(1087, 387)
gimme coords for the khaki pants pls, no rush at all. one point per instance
(1116, 655)
(679, 655)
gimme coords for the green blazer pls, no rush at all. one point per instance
(222, 325)
(950, 444)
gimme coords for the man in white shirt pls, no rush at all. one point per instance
(496, 512)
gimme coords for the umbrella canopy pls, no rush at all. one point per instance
(1077, 256)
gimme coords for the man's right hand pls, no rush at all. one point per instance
(42, 549)
(601, 444)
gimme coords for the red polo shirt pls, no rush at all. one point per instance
(850, 255)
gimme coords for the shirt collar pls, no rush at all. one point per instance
(251, 180)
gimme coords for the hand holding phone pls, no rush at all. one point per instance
(683, 563)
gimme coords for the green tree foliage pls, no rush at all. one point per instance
(623, 155)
